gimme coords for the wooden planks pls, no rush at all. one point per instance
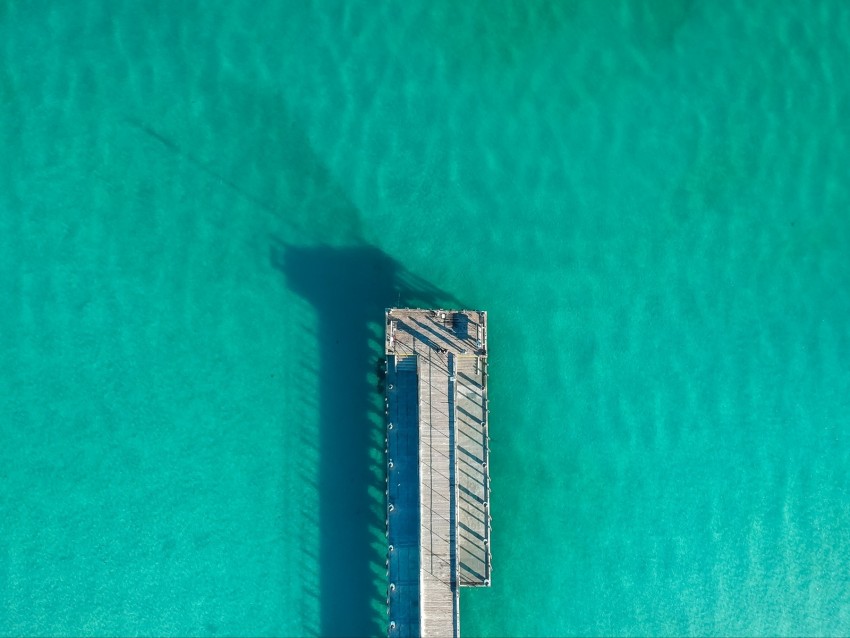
(436, 485)
(452, 486)
(473, 480)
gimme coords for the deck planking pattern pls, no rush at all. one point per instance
(448, 352)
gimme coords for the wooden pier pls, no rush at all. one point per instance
(438, 483)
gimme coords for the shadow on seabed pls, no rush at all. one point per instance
(349, 288)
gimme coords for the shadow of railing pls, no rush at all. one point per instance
(349, 288)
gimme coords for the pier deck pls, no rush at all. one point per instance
(438, 518)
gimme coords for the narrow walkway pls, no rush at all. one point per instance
(472, 476)
(437, 514)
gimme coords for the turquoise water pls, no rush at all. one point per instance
(204, 208)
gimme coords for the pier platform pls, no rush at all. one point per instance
(438, 483)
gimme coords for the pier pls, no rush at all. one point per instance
(438, 482)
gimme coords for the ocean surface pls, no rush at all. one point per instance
(206, 206)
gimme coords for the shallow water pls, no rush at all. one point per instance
(205, 208)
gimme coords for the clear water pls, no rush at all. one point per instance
(204, 208)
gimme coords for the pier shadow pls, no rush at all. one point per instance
(349, 288)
